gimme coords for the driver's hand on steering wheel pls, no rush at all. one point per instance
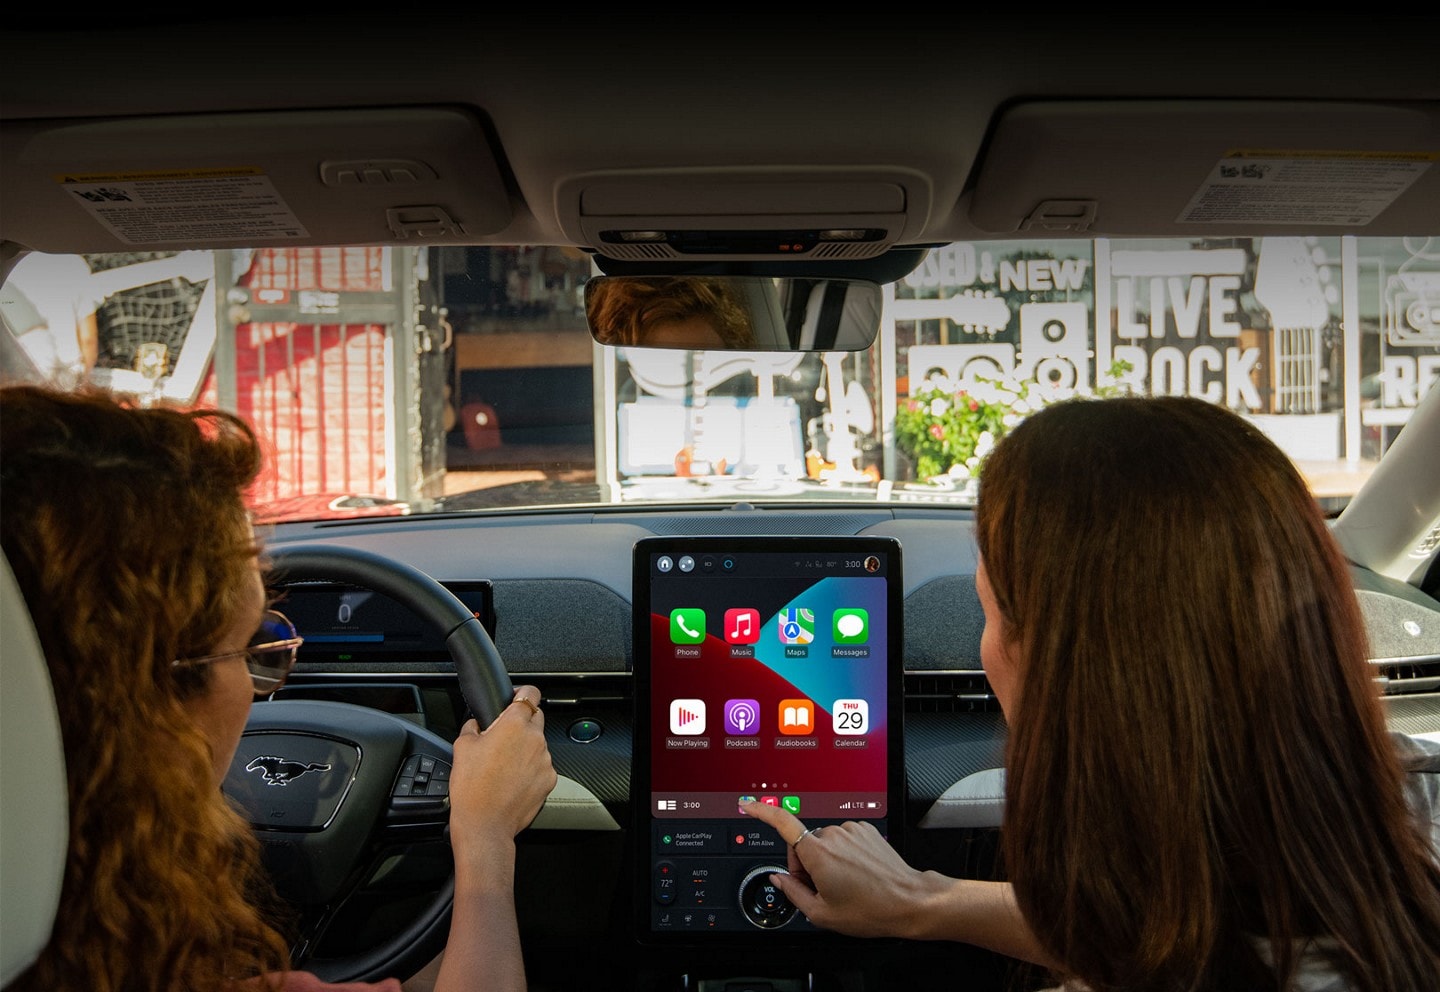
(501, 777)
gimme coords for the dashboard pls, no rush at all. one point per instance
(559, 590)
(555, 591)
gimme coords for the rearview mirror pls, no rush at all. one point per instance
(733, 313)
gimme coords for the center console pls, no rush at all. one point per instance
(766, 668)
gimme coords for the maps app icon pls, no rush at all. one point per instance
(797, 626)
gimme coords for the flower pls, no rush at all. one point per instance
(949, 429)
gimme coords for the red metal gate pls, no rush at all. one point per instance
(316, 392)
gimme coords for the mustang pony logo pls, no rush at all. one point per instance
(282, 771)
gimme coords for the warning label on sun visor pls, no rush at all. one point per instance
(1304, 187)
(185, 206)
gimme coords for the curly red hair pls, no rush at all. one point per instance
(127, 529)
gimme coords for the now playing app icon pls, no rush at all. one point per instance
(687, 717)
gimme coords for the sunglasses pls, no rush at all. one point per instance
(270, 655)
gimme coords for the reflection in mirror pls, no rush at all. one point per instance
(733, 313)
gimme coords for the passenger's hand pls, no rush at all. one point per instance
(501, 775)
(846, 877)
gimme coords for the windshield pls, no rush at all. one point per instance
(392, 381)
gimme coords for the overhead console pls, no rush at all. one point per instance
(694, 215)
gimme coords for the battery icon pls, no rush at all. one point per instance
(872, 805)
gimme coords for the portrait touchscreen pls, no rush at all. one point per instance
(769, 669)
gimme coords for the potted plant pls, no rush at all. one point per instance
(947, 430)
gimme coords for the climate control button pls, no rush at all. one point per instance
(665, 883)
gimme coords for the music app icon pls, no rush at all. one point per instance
(742, 626)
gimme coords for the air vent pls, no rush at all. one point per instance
(949, 692)
(1406, 676)
(569, 690)
(642, 252)
(843, 250)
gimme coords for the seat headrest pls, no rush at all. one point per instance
(34, 809)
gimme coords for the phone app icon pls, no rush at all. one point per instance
(687, 626)
(851, 717)
(790, 804)
(851, 626)
(742, 716)
(797, 716)
(797, 626)
(742, 625)
(687, 717)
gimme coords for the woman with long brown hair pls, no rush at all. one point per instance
(1201, 792)
(127, 531)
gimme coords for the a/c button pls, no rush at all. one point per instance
(584, 731)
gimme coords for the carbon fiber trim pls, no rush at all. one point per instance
(1413, 714)
(603, 765)
(942, 748)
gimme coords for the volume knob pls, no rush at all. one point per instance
(762, 901)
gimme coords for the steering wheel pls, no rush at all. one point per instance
(329, 786)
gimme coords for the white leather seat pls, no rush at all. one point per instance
(34, 810)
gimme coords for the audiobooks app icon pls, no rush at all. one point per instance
(687, 717)
(797, 716)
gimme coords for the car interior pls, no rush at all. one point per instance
(818, 166)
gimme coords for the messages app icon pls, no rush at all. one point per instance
(852, 626)
(687, 626)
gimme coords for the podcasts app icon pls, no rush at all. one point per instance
(742, 716)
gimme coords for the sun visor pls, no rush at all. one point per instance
(409, 176)
(683, 215)
(1210, 169)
